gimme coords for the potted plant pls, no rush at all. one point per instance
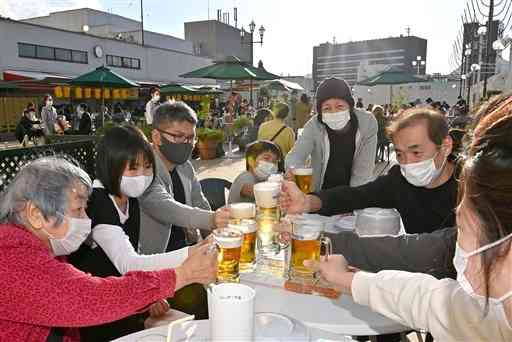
(207, 142)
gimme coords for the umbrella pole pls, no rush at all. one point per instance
(391, 95)
(250, 84)
(102, 105)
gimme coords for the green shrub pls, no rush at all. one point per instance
(204, 134)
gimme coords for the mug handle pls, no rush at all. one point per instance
(326, 241)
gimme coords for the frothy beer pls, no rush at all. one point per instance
(248, 252)
(241, 211)
(266, 194)
(304, 179)
(306, 245)
(229, 242)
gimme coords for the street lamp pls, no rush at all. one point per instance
(251, 42)
(418, 63)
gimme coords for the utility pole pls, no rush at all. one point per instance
(142, 21)
(408, 30)
(489, 45)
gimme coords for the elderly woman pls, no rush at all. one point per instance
(478, 305)
(43, 298)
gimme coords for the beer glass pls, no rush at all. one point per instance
(304, 179)
(248, 253)
(241, 211)
(306, 244)
(267, 239)
(229, 244)
(266, 195)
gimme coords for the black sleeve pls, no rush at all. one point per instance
(85, 124)
(343, 199)
(101, 210)
(430, 253)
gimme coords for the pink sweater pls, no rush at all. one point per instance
(39, 291)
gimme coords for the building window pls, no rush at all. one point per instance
(45, 52)
(27, 50)
(123, 62)
(51, 53)
(63, 55)
(425, 87)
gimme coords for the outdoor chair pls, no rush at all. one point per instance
(213, 189)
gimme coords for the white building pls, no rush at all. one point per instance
(443, 89)
(67, 51)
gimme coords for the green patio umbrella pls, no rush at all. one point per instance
(232, 68)
(103, 77)
(4, 85)
(391, 76)
(177, 89)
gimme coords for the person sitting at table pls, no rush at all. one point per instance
(262, 159)
(29, 127)
(340, 140)
(174, 207)
(423, 187)
(125, 165)
(481, 295)
(44, 298)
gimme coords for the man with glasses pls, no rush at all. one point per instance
(175, 199)
(423, 187)
(175, 203)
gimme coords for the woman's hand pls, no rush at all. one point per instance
(200, 267)
(197, 247)
(292, 199)
(334, 270)
(159, 308)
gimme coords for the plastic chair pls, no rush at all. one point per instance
(213, 189)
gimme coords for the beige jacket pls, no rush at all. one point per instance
(420, 301)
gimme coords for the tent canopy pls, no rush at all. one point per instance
(105, 77)
(390, 76)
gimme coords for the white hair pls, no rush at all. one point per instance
(45, 182)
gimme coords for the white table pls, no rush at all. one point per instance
(340, 316)
(199, 332)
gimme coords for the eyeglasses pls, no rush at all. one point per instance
(179, 139)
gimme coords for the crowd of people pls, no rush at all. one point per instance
(91, 259)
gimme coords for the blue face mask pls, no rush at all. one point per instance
(264, 169)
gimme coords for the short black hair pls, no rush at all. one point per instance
(83, 106)
(260, 146)
(173, 111)
(154, 90)
(119, 146)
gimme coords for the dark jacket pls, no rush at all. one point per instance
(85, 125)
(430, 253)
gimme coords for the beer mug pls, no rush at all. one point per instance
(304, 179)
(229, 244)
(266, 195)
(241, 211)
(306, 244)
(248, 253)
(267, 242)
(276, 178)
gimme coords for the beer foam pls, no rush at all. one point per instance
(228, 238)
(266, 194)
(242, 210)
(303, 172)
(245, 226)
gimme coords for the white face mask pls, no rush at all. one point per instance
(79, 230)
(265, 169)
(336, 121)
(156, 98)
(135, 186)
(49, 103)
(421, 173)
(460, 262)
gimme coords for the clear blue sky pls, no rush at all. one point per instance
(293, 26)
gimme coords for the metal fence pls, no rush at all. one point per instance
(11, 160)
